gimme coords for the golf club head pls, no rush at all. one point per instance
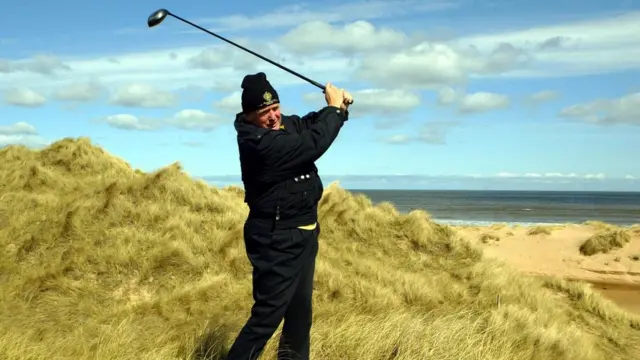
(157, 17)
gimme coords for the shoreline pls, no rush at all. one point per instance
(533, 208)
(490, 223)
(539, 191)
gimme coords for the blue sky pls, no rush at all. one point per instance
(448, 94)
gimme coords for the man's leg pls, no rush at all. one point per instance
(275, 278)
(295, 341)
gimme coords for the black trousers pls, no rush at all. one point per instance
(283, 268)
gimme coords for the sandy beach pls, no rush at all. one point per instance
(555, 250)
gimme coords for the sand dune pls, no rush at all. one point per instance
(555, 251)
(103, 261)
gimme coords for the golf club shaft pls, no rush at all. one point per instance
(322, 87)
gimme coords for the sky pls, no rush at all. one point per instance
(459, 94)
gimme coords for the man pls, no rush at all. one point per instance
(282, 190)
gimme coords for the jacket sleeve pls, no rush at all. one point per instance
(305, 122)
(284, 150)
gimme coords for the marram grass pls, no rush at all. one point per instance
(102, 261)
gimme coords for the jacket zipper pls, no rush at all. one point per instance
(278, 206)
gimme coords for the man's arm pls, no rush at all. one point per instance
(305, 123)
(284, 150)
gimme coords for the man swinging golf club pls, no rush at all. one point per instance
(282, 190)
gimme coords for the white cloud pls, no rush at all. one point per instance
(447, 96)
(630, 177)
(397, 139)
(432, 65)
(156, 69)
(386, 101)
(542, 96)
(358, 36)
(33, 141)
(231, 103)
(552, 175)
(220, 56)
(23, 96)
(292, 15)
(5, 66)
(394, 60)
(577, 48)
(624, 110)
(19, 128)
(375, 101)
(130, 122)
(480, 102)
(391, 59)
(21, 133)
(193, 119)
(79, 91)
(143, 95)
(39, 64)
(422, 66)
(187, 119)
(432, 132)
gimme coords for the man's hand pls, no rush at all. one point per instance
(348, 99)
(334, 96)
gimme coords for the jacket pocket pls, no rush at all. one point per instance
(300, 195)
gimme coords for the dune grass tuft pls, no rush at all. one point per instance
(539, 230)
(605, 241)
(486, 238)
(103, 261)
(599, 225)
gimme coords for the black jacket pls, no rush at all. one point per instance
(281, 182)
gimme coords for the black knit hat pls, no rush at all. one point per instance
(257, 92)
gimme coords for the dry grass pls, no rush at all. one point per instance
(605, 241)
(487, 237)
(498, 226)
(101, 261)
(540, 230)
(599, 225)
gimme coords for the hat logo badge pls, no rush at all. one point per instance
(267, 96)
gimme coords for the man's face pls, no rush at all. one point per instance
(268, 117)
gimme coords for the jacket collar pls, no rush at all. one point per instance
(245, 129)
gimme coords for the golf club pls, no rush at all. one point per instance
(159, 15)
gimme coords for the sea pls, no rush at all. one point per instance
(515, 207)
